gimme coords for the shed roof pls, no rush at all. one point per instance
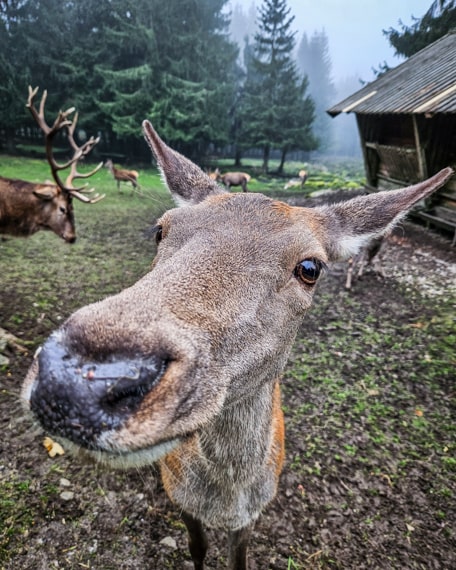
(424, 83)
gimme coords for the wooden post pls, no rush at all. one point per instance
(419, 150)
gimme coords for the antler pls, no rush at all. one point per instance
(81, 152)
(62, 121)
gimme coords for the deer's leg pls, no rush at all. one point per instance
(374, 257)
(377, 265)
(197, 540)
(238, 541)
(362, 264)
(348, 281)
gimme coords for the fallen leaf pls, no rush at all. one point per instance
(53, 448)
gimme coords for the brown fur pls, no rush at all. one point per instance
(232, 179)
(185, 362)
(26, 208)
(122, 175)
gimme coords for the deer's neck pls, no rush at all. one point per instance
(223, 473)
(238, 439)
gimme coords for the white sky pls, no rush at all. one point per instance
(354, 30)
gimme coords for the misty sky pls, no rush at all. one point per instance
(354, 30)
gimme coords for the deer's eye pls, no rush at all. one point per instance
(62, 209)
(158, 234)
(308, 271)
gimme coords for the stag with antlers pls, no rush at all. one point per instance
(26, 207)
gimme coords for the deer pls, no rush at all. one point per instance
(27, 207)
(183, 368)
(232, 179)
(299, 181)
(366, 256)
(122, 175)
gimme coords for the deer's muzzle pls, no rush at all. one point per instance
(80, 400)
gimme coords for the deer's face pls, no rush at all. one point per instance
(56, 211)
(212, 321)
(127, 378)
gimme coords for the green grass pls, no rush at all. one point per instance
(370, 385)
(329, 174)
(20, 505)
(37, 170)
(111, 230)
(15, 515)
(366, 417)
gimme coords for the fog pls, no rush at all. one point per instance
(354, 30)
(356, 45)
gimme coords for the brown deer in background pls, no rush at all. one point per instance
(231, 179)
(122, 175)
(184, 366)
(295, 182)
(366, 256)
(26, 207)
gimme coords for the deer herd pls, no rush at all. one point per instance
(183, 368)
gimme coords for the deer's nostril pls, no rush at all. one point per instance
(125, 393)
(80, 400)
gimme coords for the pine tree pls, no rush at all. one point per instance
(124, 68)
(275, 112)
(314, 61)
(436, 22)
(198, 74)
(121, 61)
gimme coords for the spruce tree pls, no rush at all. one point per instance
(314, 61)
(439, 19)
(197, 75)
(275, 112)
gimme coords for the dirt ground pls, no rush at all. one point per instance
(370, 475)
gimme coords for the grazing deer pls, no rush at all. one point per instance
(122, 175)
(232, 179)
(184, 366)
(25, 207)
(295, 182)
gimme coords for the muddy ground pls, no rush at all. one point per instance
(370, 475)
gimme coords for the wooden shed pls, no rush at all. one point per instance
(407, 124)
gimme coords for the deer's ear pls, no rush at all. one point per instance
(187, 183)
(352, 224)
(46, 192)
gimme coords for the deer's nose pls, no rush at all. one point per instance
(68, 235)
(79, 399)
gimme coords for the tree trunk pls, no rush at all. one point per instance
(282, 160)
(237, 157)
(266, 152)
